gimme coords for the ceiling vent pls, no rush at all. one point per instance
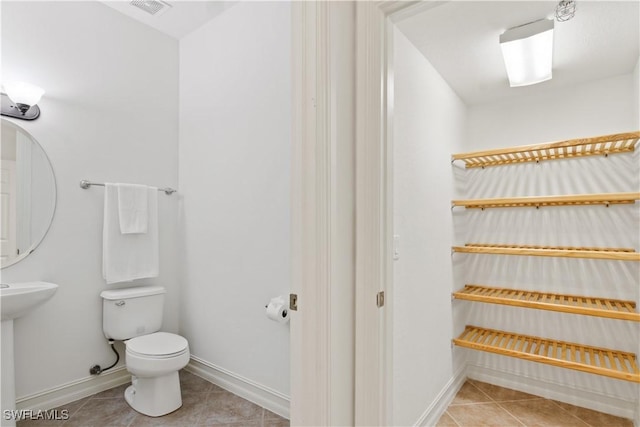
(152, 7)
(565, 10)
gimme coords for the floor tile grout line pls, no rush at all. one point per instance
(513, 415)
(206, 402)
(132, 420)
(519, 400)
(452, 417)
(574, 416)
(501, 401)
(510, 400)
(495, 404)
(471, 403)
(479, 389)
(86, 400)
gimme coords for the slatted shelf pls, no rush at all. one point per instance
(605, 199)
(620, 254)
(576, 304)
(601, 145)
(600, 361)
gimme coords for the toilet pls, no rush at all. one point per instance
(134, 315)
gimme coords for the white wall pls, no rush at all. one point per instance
(428, 126)
(109, 114)
(636, 90)
(235, 139)
(597, 108)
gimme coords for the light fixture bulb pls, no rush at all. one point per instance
(24, 95)
(528, 53)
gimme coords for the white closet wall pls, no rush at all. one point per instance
(596, 108)
(429, 122)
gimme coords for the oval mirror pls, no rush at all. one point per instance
(28, 193)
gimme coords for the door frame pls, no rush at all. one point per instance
(314, 212)
(374, 206)
(322, 216)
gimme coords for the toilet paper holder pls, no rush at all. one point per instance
(277, 310)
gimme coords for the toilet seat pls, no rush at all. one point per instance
(159, 345)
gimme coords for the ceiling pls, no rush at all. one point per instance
(460, 39)
(182, 18)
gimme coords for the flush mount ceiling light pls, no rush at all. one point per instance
(20, 100)
(528, 52)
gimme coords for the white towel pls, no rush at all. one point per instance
(133, 208)
(128, 257)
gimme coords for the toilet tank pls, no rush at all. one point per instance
(131, 312)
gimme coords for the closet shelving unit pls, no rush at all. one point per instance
(608, 362)
(597, 146)
(619, 254)
(564, 303)
(602, 361)
(605, 199)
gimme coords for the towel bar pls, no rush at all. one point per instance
(86, 184)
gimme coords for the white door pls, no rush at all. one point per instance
(8, 248)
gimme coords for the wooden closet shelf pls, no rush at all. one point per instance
(620, 254)
(601, 145)
(601, 361)
(590, 306)
(533, 201)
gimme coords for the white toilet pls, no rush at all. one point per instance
(134, 315)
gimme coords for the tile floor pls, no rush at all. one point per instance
(203, 404)
(481, 404)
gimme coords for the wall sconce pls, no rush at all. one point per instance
(528, 52)
(20, 100)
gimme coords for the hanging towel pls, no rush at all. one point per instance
(128, 257)
(133, 208)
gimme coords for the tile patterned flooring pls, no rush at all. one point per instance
(203, 404)
(481, 404)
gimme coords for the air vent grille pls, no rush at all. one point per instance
(152, 7)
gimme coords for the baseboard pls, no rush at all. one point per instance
(556, 391)
(259, 394)
(72, 391)
(438, 407)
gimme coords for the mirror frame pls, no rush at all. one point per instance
(39, 240)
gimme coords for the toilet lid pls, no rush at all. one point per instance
(157, 344)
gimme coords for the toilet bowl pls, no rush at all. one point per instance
(154, 361)
(134, 315)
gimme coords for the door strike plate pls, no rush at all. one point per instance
(380, 299)
(293, 302)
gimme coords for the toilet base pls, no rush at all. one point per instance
(154, 396)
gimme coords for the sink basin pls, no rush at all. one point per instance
(18, 299)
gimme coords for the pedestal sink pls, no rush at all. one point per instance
(16, 300)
